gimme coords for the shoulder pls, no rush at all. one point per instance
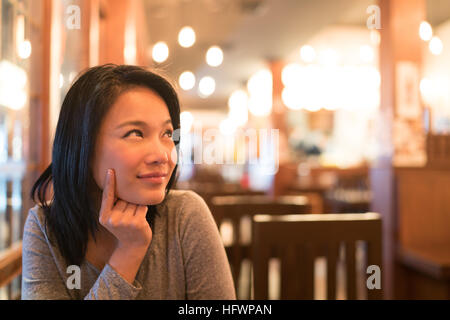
(35, 219)
(185, 200)
(188, 208)
(35, 227)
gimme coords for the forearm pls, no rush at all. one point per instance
(126, 261)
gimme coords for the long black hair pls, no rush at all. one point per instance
(72, 214)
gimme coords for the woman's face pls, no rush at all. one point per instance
(135, 140)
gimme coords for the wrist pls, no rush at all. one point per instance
(130, 249)
(126, 261)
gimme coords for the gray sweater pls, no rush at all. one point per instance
(185, 260)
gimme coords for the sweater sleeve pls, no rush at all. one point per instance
(42, 279)
(207, 271)
(111, 286)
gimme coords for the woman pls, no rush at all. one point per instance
(113, 228)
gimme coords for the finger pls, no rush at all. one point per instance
(108, 192)
(120, 205)
(141, 211)
(131, 209)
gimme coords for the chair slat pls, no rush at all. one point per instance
(309, 271)
(332, 254)
(350, 270)
(261, 274)
(289, 279)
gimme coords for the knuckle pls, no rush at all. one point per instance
(113, 221)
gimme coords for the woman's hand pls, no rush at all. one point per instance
(126, 221)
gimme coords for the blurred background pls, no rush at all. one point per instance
(343, 102)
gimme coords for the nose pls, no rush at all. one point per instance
(157, 154)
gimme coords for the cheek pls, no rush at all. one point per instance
(122, 161)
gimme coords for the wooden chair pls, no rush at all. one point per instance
(298, 239)
(10, 264)
(236, 213)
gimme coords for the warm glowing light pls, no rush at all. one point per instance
(206, 86)
(238, 107)
(375, 37)
(129, 54)
(312, 108)
(346, 87)
(291, 74)
(214, 56)
(186, 37)
(426, 90)
(328, 57)
(187, 80)
(186, 121)
(12, 75)
(260, 81)
(291, 98)
(160, 52)
(227, 127)
(366, 54)
(307, 53)
(425, 31)
(238, 99)
(260, 89)
(13, 80)
(425, 85)
(436, 46)
(25, 49)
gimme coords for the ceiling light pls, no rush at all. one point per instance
(206, 86)
(186, 37)
(214, 56)
(160, 52)
(291, 98)
(291, 74)
(436, 46)
(425, 31)
(186, 80)
(307, 53)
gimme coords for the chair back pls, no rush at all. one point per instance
(233, 215)
(297, 240)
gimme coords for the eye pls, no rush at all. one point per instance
(168, 133)
(137, 133)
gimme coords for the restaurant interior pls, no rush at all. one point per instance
(317, 132)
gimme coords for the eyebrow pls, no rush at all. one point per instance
(140, 123)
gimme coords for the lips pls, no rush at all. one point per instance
(153, 175)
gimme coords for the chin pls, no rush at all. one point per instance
(148, 198)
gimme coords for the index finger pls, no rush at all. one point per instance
(109, 190)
